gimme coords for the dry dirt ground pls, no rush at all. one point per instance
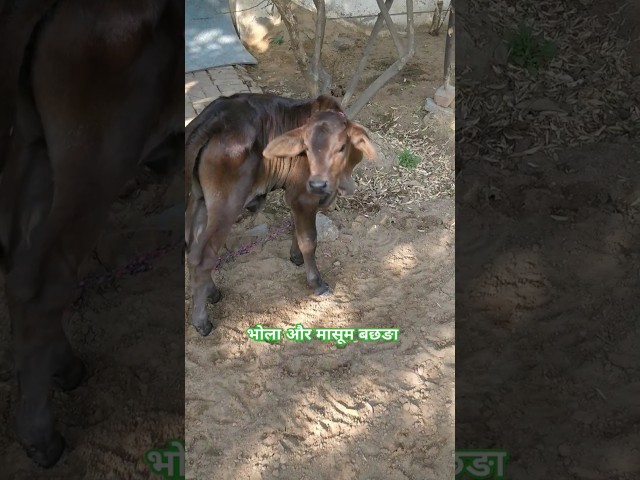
(550, 321)
(129, 334)
(547, 252)
(311, 410)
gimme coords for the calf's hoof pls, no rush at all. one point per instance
(296, 259)
(72, 377)
(215, 297)
(323, 290)
(204, 329)
(200, 321)
(46, 454)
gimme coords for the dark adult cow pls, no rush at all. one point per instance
(89, 90)
(241, 148)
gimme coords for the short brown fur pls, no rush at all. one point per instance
(241, 148)
(88, 92)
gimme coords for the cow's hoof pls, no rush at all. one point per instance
(205, 329)
(323, 290)
(215, 297)
(46, 455)
(296, 259)
(72, 377)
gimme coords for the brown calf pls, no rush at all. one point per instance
(241, 148)
(89, 91)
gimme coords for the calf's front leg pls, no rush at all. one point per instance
(304, 246)
(295, 255)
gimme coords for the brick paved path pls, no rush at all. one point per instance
(204, 86)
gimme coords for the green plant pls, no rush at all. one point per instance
(277, 40)
(529, 51)
(408, 159)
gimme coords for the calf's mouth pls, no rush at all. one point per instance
(328, 199)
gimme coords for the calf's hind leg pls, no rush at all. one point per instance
(202, 256)
(201, 260)
(195, 224)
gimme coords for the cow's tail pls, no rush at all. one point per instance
(197, 137)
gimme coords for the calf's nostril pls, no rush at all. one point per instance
(317, 184)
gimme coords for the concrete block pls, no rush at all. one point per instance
(232, 91)
(210, 90)
(432, 107)
(189, 110)
(444, 97)
(203, 103)
(235, 83)
(196, 93)
(201, 76)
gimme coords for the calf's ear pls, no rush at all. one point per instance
(288, 144)
(361, 141)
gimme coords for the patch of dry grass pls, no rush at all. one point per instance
(397, 186)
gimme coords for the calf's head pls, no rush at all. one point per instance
(333, 146)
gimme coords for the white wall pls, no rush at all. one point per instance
(346, 8)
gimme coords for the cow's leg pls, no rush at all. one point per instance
(202, 287)
(219, 220)
(87, 181)
(213, 217)
(195, 224)
(295, 255)
(203, 290)
(36, 361)
(304, 217)
(96, 125)
(43, 358)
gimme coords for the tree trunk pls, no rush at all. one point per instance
(448, 49)
(390, 72)
(365, 56)
(437, 19)
(316, 66)
(317, 79)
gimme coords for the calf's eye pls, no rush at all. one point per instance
(344, 145)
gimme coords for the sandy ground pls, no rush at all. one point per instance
(130, 336)
(311, 410)
(550, 314)
(546, 302)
